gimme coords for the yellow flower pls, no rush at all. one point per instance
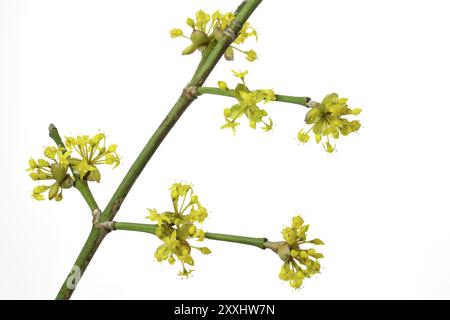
(207, 28)
(248, 105)
(37, 192)
(56, 169)
(222, 85)
(298, 262)
(303, 136)
(251, 55)
(92, 152)
(240, 74)
(175, 33)
(327, 121)
(176, 227)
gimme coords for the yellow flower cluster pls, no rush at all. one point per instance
(56, 170)
(207, 28)
(176, 227)
(247, 104)
(92, 152)
(326, 120)
(299, 263)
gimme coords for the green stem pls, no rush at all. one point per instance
(83, 188)
(151, 228)
(139, 227)
(257, 242)
(205, 68)
(303, 101)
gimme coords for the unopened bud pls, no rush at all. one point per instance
(67, 182)
(53, 192)
(59, 172)
(199, 38)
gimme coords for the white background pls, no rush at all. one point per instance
(380, 203)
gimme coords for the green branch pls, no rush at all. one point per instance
(151, 228)
(303, 101)
(257, 242)
(206, 66)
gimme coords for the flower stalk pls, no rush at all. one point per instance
(151, 228)
(303, 101)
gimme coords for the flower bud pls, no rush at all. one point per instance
(34, 176)
(59, 172)
(251, 55)
(174, 193)
(317, 242)
(175, 33)
(43, 163)
(192, 230)
(303, 254)
(67, 183)
(297, 222)
(190, 22)
(229, 54)
(32, 163)
(112, 148)
(222, 85)
(194, 199)
(205, 250)
(97, 138)
(53, 191)
(189, 49)
(199, 38)
(356, 111)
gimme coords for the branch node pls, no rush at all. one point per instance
(107, 226)
(235, 24)
(233, 29)
(190, 92)
(95, 216)
(116, 206)
(228, 32)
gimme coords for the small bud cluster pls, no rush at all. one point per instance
(207, 28)
(247, 105)
(299, 263)
(92, 152)
(175, 228)
(326, 120)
